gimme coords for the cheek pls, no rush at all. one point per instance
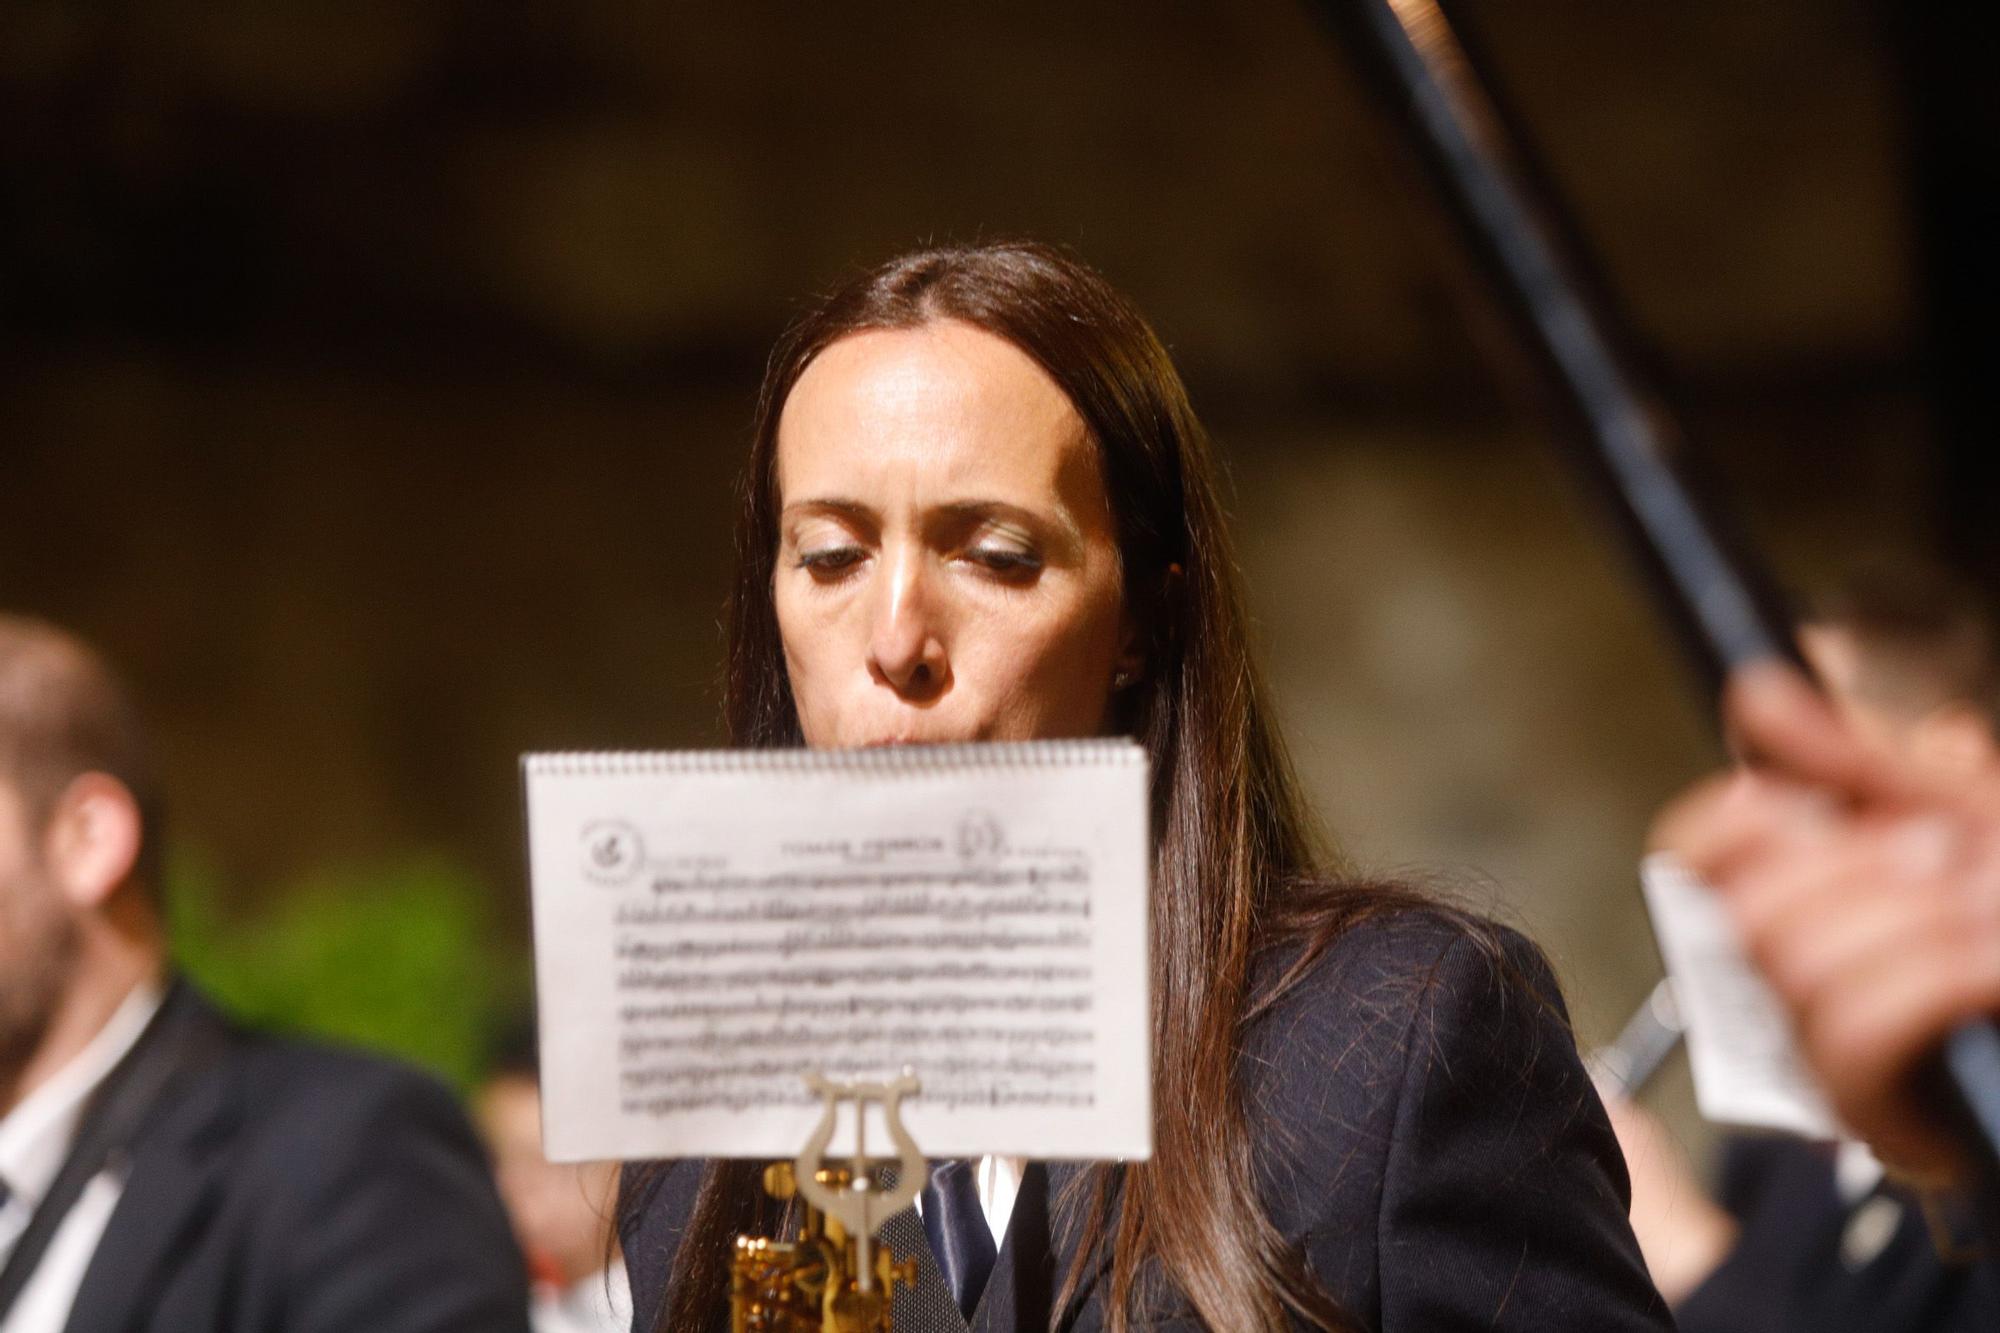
(25, 912)
(1051, 676)
(815, 639)
(38, 944)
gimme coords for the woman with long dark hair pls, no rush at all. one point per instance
(978, 506)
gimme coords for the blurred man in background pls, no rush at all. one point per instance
(160, 1169)
(562, 1213)
(1814, 1236)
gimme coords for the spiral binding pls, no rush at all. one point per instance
(881, 761)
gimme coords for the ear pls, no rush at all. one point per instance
(1131, 658)
(1134, 630)
(92, 840)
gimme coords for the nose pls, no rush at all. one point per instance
(906, 648)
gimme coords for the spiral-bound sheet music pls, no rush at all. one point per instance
(710, 925)
(1748, 1069)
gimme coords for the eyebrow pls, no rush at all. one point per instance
(831, 505)
(1057, 524)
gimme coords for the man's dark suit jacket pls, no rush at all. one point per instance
(284, 1187)
(1426, 1135)
(1794, 1268)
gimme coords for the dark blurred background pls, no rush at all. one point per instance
(372, 378)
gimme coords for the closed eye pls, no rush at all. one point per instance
(1006, 561)
(829, 563)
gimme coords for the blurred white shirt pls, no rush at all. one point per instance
(35, 1139)
(600, 1303)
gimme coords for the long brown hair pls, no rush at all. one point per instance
(1234, 871)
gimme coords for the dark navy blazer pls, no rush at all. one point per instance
(1426, 1134)
(283, 1186)
(1797, 1268)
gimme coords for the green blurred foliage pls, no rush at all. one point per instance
(401, 957)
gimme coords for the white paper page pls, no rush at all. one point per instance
(1747, 1067)
(710, 926)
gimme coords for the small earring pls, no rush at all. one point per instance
(1120, 679)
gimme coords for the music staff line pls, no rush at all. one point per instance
(828, 977)
(957, 878)
(843, 940)
(938, 1070)
(933, 906)
(738, 1101)
(908, 1037)
(873, 1006)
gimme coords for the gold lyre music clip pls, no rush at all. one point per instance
(857, 1205)
(832, 1277)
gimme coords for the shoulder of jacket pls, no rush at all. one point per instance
(1407, 951)
(283, 1080)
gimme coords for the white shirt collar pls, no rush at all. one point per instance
(35, 1136)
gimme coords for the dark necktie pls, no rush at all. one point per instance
(956, 1227)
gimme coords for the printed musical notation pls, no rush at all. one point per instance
(868, 937)
(711, 928)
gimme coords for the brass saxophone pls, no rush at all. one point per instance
(833, 1276)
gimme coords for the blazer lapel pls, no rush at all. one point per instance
(171, 1177)
(1018, 1290)
(1036, 1256)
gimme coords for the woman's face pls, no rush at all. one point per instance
(947, 569)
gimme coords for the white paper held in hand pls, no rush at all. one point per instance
(711, 925)
(1747, 1066)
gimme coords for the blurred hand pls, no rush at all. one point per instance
(1867, 890)
(1682, 1233)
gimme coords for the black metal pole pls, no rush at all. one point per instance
(1713, 591)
